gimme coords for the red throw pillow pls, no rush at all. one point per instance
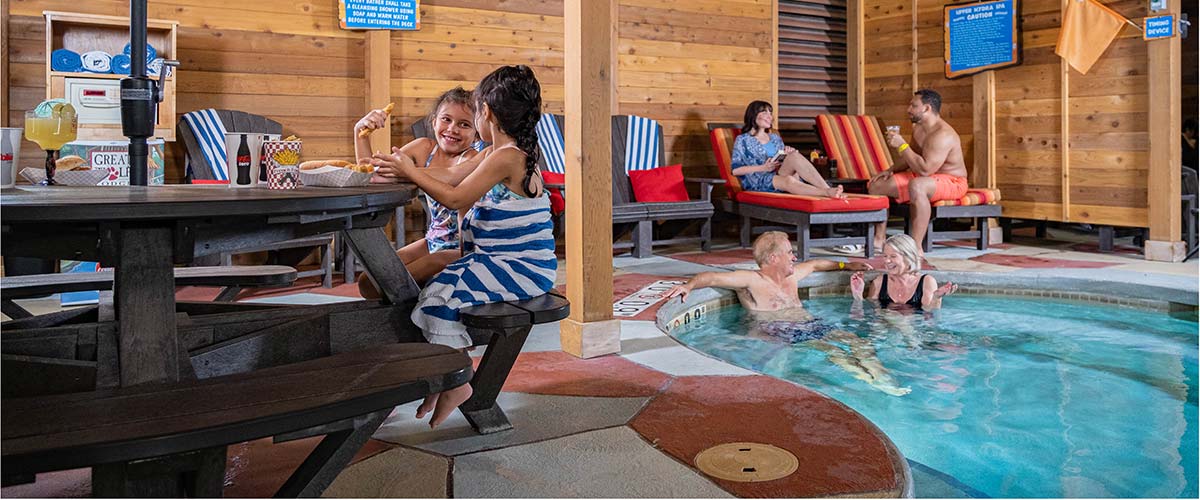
(557, 203)
(659, 184)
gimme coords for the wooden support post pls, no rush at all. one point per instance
(379, 77)
(1064, 147)
(4, 65)
(1165, 123)
(588, 28)
(916, 56)
(856, 100)
(984, 172)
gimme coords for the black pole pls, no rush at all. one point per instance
(138, 97)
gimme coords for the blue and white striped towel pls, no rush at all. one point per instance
(551, 143)
(513, 260)
(210, 134)
(641, 144)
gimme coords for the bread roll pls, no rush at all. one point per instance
(313, 164)
(72, 162)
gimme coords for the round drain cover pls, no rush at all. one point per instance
(746, 462)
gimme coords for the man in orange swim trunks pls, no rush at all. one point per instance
(930, 169)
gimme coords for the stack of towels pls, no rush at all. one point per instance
(98, 61)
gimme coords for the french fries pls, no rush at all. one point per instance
(387, 110)
(286, 157)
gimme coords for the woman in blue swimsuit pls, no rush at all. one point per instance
(454, 142)
(902, 286)
(754, 149)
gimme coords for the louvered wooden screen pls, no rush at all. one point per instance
(812, 66)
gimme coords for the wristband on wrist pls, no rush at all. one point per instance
(902, 148)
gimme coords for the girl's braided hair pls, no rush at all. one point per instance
(514, 96)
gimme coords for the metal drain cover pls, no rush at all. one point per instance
(747, 462)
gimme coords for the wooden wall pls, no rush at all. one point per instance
(688, 63)
(1106, 160)
(682, 63)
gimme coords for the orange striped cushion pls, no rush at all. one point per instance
(974, 196)
(857, 144)
(722, 145)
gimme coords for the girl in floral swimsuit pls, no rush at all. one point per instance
(454, 143)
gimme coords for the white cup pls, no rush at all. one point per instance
(10, 153)
(233, 141)
(895, 129)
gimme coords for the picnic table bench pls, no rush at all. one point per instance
(193, 421)
(232, 279)
(503, 326)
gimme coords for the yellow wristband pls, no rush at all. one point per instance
(902, 148)
(841, 265)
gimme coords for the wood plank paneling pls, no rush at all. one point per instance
(1106, 120)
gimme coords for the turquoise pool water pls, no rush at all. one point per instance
(1011, 397)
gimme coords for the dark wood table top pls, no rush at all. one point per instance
(26, 204)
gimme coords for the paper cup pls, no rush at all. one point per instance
(247, 176)
(282, 159)
(10, 153)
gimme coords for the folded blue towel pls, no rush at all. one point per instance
(120, 64)
(97, 61)
(150, 52)
(65, 60)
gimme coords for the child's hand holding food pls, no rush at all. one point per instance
(395, 165)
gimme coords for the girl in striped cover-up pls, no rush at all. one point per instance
(512, 241)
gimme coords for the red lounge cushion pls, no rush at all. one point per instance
(853, 202)
(974, 196)
(557, 203)
(659, 184)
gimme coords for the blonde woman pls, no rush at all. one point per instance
(902, 285)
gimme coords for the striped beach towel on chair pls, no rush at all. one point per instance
(513, 259)
(550, 141)
(209, 132)
(641, 144)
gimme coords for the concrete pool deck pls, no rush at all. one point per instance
(629, 425)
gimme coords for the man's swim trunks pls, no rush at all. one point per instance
(796, 331)
(949, 187)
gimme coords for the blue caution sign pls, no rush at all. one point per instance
(1159, 27)
(380, 14)
(980, 36)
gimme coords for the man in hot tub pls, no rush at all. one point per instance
(769, 296)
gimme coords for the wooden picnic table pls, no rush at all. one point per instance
(143, 232)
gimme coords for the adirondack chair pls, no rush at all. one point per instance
(641, 216)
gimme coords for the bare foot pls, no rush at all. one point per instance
(427, 405)
(446, 402)
(835, 192)
(893, 390)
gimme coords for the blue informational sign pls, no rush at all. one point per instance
(980, 36)
(380, 14)
(1159, 27)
